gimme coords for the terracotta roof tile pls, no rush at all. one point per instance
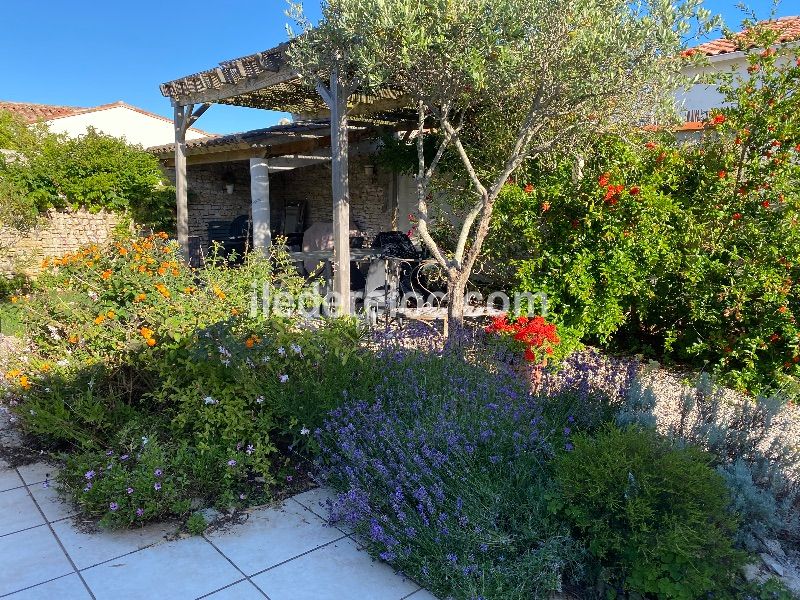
(789, 28)
(39, 112)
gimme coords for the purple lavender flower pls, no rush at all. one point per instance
(232, 463)
(109, 452)
(89, 475)
(289, 478)
(139, 512)
(129, 490)
(88, 487)
(157, 486)
(158, 472)
(124, 457)
(113, 506)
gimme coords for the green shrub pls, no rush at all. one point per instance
(196, 524)
(653, 515)
(129, 338)
(685, 251)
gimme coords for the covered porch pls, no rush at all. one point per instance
(285, 162)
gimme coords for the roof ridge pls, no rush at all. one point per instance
(787, 26)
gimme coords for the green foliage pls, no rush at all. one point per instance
(652, 515)
(94, 171)
(129, 338)
(196, 524)
(684, 251)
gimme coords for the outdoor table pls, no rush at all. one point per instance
(356, 254)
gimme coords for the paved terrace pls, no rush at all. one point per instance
(286, 552)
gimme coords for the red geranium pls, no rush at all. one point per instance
(536, 335)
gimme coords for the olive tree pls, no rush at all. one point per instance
(501, 81)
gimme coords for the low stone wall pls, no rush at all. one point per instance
(56, 232)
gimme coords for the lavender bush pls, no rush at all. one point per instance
(444, 473)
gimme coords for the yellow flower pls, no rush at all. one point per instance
(13, 373)
(23, 381)
(111, 314)
(219, 293)
(140, 297)
(99, 319)
(106, 274)
(151, 342)
(146, 332)
(45, 367)
(14, 299)
(73, 339)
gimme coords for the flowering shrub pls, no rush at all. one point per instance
(535, 335)
(129, 342)
(442, 471)
(685, 251)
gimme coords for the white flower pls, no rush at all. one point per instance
(305, 430)
(296, 349)
(284, 378)
(210, 400)
(145, 440)
(260, 400)
(224, 351)
(265, 359)
(282, 351)
(93, 295)
(63, 362)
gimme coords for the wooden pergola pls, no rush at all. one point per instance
(265, 80)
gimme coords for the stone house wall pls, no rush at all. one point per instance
(371, 196)
(57, 232)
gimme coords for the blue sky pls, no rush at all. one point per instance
(93, 52)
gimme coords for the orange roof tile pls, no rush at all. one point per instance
(788, 28)
(31, 112)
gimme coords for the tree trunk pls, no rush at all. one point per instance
(454, 324)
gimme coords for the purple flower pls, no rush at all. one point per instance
(283, 378)
(231, 463)
(452, 558)
(113, 506)
(89, 475)
(242, 496)
(567, 430)
(568, 447)
(158, 472)
(289, 478)
(88, 487)
(109, 453)
(139, 512)
(157, 486)
(129, 490)
(124, 457)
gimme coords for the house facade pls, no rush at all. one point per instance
(121, 120)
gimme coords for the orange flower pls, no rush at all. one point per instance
(122, 250)
(188, 290)
(545, 206)
(146, 332)
(73, 339)
(161, 271)
(13, 373)
(175, 272)
(45, 263)
(140, 297)
(162, 289)
(45, 367)
(162, 235)
(24, 383)
(528, 188)
(99, 319)
(111, 314)
(249, 342)
(782, 309)
(106, 274)
(151, 342)
(234, 312)
(219, 293)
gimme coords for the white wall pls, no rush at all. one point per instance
(122, 122)
(702, 97)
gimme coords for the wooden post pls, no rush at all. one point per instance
(181, 190)
(259, 204)
(341, 194)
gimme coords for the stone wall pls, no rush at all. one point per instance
(56, 232)
(371, 196)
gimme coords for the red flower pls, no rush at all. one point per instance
(534, 333)
(718, 119)
(545, 206)
(736, 216)
(650, 145)
(575, 223)
(634, 191)
(604, 179)
(722, 174)
(765, 204)
(528, 189)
